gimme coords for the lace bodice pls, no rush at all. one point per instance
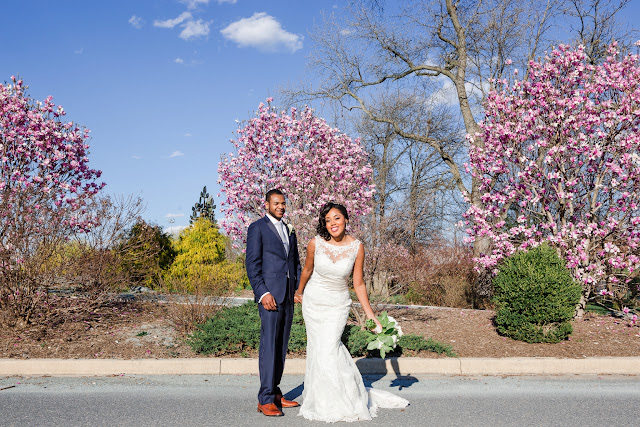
(333, 264)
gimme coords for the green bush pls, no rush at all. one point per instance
(236, 329)
(535, 296)
(357, 339)
(418, 343)
(233, 330)
(145, 252)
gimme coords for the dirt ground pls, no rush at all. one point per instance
(143, 330)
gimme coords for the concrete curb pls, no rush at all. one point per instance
(404, 366)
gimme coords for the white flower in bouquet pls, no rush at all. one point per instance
(397, 325)
(385, 339)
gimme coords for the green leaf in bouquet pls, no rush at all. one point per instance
(384, 350)
(387, 340)
(392, 325)
(373, 345)
(384, 319)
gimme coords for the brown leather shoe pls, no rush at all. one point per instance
(281, 402)
(270, 410)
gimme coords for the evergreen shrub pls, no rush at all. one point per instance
(234, 330)
(535, 296)
(418, 343)
(357, 339)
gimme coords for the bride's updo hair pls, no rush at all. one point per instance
(321, 229)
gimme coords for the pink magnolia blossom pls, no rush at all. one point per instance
(45, 181)
(559, 162)
(300, 154)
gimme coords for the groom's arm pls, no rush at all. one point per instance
(253, 261)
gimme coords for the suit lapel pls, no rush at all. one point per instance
(290, 237)
(273, 228)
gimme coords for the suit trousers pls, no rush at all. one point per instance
(274, 340)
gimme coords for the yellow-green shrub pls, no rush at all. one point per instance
(200, 263)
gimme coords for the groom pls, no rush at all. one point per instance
(273, 268)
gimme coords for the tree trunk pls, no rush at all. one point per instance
(380, 284)
(581, 306)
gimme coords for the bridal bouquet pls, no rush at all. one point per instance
(386, 339)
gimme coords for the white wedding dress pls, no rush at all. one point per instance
(333, 387)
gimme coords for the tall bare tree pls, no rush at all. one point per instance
(429, 52)
(597, 25)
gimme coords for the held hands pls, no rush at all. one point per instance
(297, 297)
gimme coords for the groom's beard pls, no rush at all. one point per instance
(277, 215)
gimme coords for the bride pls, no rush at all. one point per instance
(333, 387)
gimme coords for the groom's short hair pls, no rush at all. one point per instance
(272, 192)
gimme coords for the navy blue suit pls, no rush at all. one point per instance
(270, 269)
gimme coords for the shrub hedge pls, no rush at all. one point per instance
(535, 296)
(234, 330)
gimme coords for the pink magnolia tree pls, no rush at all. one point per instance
(300, 154)
(45, 185)
(560, 163)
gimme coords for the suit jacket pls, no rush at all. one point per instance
(267, 262)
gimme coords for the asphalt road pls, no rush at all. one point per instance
(227, 400)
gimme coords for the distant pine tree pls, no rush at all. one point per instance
(204, 208)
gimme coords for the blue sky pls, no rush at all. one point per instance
(159, 83)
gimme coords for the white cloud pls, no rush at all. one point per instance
(176, 154)
(197, 28)
(187, 134)
(136, 157)
(263, 32)
(179, 61)
(448, 95)
(190, 27)
(174, 215)
(79, 51)
(170, 23)
(136, 22)
(175, 230)
(192, 4)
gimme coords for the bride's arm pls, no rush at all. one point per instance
(306, 271)
(360, 288)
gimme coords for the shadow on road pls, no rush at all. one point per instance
(374, 369)
(295, 393)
